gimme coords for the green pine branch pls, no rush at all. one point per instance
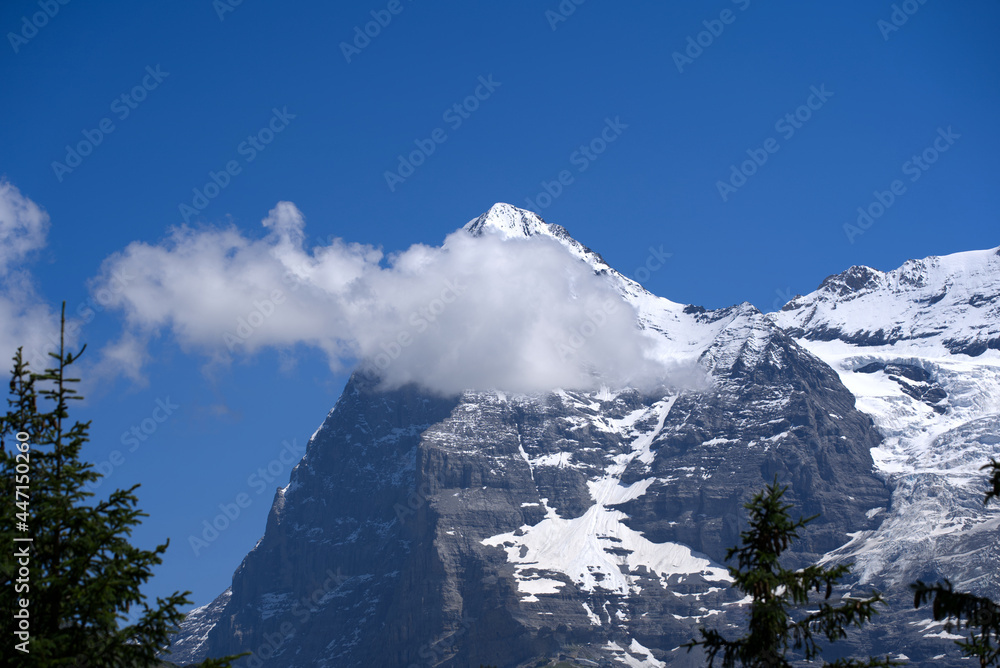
(777, 625)
(85, 575)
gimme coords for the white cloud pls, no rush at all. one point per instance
(124, 357)
(474, 313)
(25, 319)
(23, 226)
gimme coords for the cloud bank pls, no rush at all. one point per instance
(521, 315)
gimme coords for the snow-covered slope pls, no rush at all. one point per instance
(598, 550)
(948, 304)
(197, 625)
(918, 347)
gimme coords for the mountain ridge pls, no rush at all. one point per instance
(594, 524)
(926, 296)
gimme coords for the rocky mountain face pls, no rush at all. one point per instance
(515, 530)
(918, 347)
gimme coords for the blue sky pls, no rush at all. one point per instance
(620, 100)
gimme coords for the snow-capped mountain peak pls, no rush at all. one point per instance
(509, 221)
(681, 335)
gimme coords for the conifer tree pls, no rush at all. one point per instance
(70, 579)
(777, 624)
